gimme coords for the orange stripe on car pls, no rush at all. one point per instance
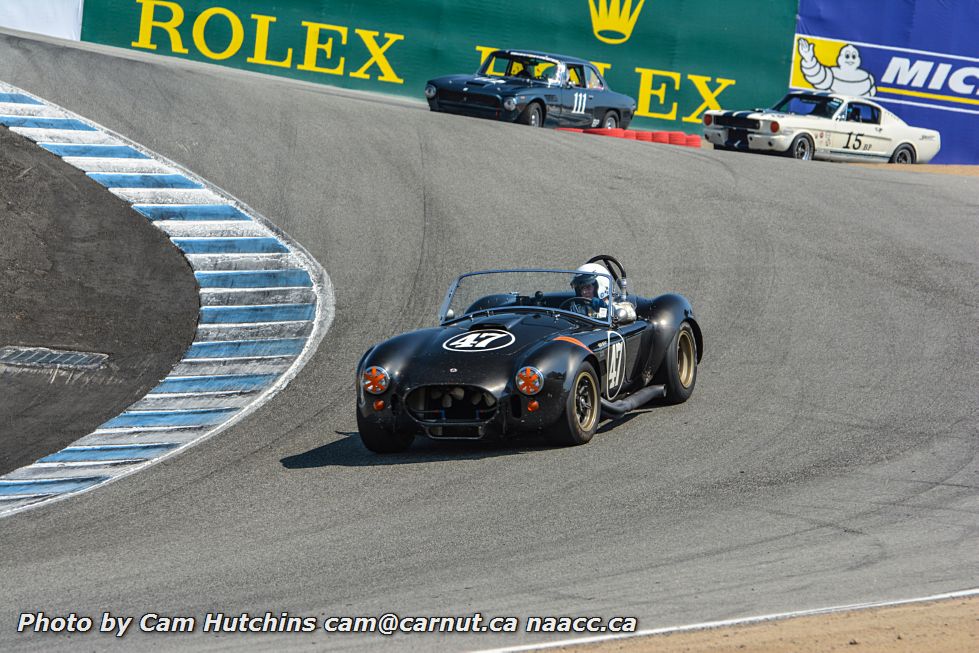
(574, 341)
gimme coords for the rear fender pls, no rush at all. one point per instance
(665, 314)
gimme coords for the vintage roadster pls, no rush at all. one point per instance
(529, 351)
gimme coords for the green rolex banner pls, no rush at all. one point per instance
(676, 57)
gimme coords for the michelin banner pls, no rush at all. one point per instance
(677, 58)
(918, 58)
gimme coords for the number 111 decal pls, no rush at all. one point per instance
(580, 100)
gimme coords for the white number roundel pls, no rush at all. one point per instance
(487, 340)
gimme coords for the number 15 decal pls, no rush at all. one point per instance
(580, 101)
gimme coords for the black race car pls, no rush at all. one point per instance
(533, 88)
(529, 351)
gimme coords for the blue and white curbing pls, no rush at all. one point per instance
(265, 304)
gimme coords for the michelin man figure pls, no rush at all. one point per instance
(846, 77)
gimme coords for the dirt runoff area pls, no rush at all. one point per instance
(950, 626)
(963, 171)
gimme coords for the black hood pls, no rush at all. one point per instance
(484, 351)
(488, 84)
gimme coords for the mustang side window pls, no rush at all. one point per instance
(867, 113)
(574, 76)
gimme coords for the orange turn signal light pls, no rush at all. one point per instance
(379, 404)
(532, 406)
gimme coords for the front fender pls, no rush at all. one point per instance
(558, 360)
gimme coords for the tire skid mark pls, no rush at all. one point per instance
(265, 304)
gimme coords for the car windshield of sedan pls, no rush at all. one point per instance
(552, 291)
(501, 64)
(819, 106)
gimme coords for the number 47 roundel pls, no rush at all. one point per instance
(476, 341)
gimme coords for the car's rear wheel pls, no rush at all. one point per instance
(380, 440)
(802, 148)
(532, 115)
(903, 154)
(681, 365)
(611, 120)
(582, 408)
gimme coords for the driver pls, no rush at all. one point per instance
(590, 284)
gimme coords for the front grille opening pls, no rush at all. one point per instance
(736, 122)
(451, 403)
(477, 99)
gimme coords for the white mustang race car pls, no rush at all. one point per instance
(818, 125)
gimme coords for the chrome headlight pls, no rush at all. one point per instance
(529, 380)
(510, 104)
(430, 91)
(375, 380)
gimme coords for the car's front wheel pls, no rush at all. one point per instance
(802, 148)
(532, 115)
(582, 408)
(611, 120)
(380, 440)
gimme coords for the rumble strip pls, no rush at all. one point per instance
(265, 304)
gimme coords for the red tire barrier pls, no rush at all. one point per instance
(660, 137)
(646, 137)
(617, 132)
(677, 138)
(568, 129)
(693, 140)
(630, 134)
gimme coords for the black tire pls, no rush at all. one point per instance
(379, 440)
(532, 115)
(802, 148)
(611, 120)
(582, 410)
(680, 365)
(903, 154)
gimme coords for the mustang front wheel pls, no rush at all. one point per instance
(380, 440)
(802, 148)
(610, 121)
(581, 409)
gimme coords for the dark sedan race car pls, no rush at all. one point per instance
(525, 352)
(533, 88)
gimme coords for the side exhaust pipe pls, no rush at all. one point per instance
(623, 406)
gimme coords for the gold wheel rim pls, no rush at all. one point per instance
(586, 389)
(685, 358)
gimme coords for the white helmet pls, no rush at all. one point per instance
(592, 273)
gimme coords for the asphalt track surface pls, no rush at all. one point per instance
(828, 454)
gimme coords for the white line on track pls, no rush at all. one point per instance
(743, 621)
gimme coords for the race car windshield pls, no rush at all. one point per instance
(808, 105)
(500, 64)
(548, 291)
